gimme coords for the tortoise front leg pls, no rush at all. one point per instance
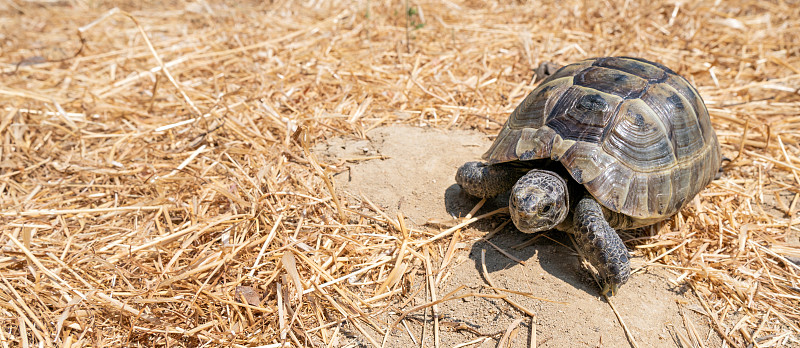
(601, 244)
(485, 180)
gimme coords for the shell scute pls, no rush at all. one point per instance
(637, 199)
(680, 121)
(586, 161)
(569, 70)
(659, 188)
(638, 138)
(647, 70)
(611, 187)
(581, 114)
(536, 106)
(612, 81)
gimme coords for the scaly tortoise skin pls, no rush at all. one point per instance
(634, 143)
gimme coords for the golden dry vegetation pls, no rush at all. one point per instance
(157, 188)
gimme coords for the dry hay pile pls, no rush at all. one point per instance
(157, 187)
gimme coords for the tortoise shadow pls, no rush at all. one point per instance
(552, 250)
(459, 204)
(548, 249)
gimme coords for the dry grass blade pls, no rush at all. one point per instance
(325, 177)
(505, 339)
(432, 290)
(461, 225)
(628, 332)
(450, 296)
(696, 340)
(491, 283)
(399, 266)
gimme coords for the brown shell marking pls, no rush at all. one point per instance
(637, 135)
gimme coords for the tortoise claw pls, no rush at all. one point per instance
(609, 288)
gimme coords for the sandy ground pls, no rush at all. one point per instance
(415, 177)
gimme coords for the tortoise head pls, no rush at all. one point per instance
(539, 201)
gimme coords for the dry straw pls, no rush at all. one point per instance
(157, 187)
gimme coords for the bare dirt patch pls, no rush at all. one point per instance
(412, 172)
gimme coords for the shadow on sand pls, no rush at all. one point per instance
(552, 249)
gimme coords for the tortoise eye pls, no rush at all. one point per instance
(546, 209)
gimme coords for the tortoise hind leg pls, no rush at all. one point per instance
(485, 180)
(601, 244)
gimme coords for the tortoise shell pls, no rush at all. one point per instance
(633, 132)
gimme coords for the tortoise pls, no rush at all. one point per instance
(600, 145)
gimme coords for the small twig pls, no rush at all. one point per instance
(628, 332)
(491, 282)
(503, 342)
(741, 144)
(717, 327)
(461, 225)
